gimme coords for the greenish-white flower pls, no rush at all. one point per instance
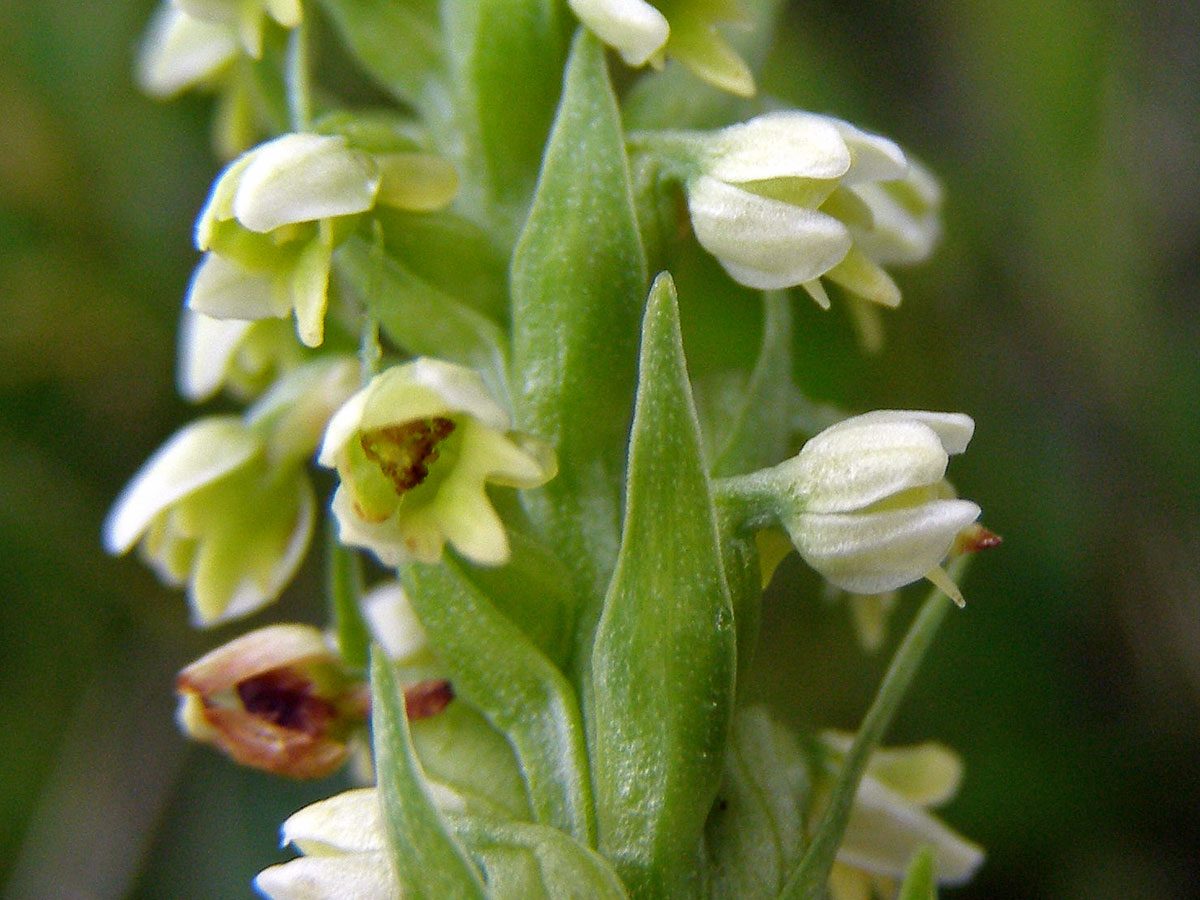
(789, 198)
(211, 511)
(889, 821)
(247, 17)
(865, 502)
(415, 450)
(685, 30)
(276, 213)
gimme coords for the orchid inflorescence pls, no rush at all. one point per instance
(445, 302)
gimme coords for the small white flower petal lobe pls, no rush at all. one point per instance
(392, 621)
(197, 455)
(224, 290)
(206, 346)
(874, 158)
(785, 144)
(180, 51)
(469, 522)
(349, 822)
(851, 468)
(885, 831)
(954, 430)
(310, 291)
(354, 876)
(764, 243)
(869, 553)
(302, 178)
(634, 28)
(462, 389)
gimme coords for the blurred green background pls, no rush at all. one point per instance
(1061, 312)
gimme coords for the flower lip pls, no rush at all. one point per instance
(634, 28)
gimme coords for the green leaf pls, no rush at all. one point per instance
(418, 317)
(535, 590)
(662, 678)
(578, 280)
(398, 43)
(499, 670)
(531, 862)
(758, 432)
(450, 253)
(506, 58)
(920, 881)
(755, 833)
(428, 859)
(461, 750)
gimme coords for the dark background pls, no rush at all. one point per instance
(1061, 312)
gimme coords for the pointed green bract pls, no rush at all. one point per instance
(534, 862)
(759, 432)
(420, 318)
(498, 669)
(506, 59)
(755, 832)
(397, 42)
(429, 861)
(662, 672)
(578, 280)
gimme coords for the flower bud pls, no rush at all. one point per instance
(415, 450)
(865, 501)
(789, 198)
(210, 510)
(641, 33)
(275, 699)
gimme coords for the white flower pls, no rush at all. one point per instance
(865, 501)
(415, 450)
(641, 33)
(210, 510)
(889, 821)
(276, 213)
(789, 198)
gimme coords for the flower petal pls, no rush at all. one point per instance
(179, 52)
(764, 243)
(393, 623)
(885, 831)
(785, 144)
(357, 876)
(197, 455)
(634, 28)
(869, 553)
(844, 469)
(349, 822)
(302, 178)
(225, 290)
(954, 430)
(206, 346)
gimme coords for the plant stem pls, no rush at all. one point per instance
(297, 77)
(808, 879)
